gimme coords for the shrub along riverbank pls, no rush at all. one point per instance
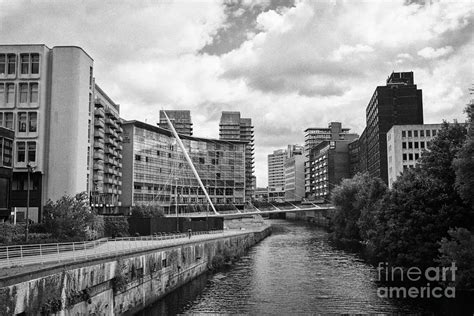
(426, 219)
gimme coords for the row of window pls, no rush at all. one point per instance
(411, 145)
(422, 133)
(28, 94)
(410, 157)
(27, 122)
(29, 64)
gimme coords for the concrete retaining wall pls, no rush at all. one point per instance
(119, 285)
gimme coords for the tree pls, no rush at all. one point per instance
(463, 164)
(147, 210)
(423, 205)
(459, 248)
(355, 200)
(70, 217)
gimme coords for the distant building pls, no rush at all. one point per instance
(276, 174)
(233, 127)
(181, 120)
(354, 157)
(405, 145)
(329, 164)
(284, 173)
(399, 102)
(316, 135)
(48, 97)
(6, 166)
(294, 178)
(261, 194)
(155, 168)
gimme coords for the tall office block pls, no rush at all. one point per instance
(276, 174)
(6, 165)
(181, 120)
(47, 98)
(399, 102)
(294, 178)
(233, 127)
(405, 145)
(316, 135)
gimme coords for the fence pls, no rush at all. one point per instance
(20, 255)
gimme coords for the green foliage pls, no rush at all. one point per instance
(115, 226)
(356, 204)
(71, 217)
(147, 211)
(10, 233)
(463, 164)
(459, 248)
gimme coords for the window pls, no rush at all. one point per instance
(415, 133)
(32, 122)
(422, 133)
(138, 157)
(7, 152)
(10, 90)
(428, 134)
(25, 63)
(2, 94)
(35, 63)
(20, 152)
(22, 118)
(3, 64)
(422, 144)
(32, 151)
(33, 92)
(410, 156)
(434, 133)
(404, 156)
(23, 92)
(6, 119)
(417, 156)
(410, 145)
(416, 144)
(409, 133)
(404, 145)
(11, 64)
(404, 134)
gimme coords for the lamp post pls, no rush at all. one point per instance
(30, 169)
(207, 211)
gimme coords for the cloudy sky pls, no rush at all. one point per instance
(288, 65)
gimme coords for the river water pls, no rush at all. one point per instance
(292, 272)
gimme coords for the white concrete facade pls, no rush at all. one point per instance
(405, 145)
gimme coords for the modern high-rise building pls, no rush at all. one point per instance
(181, 120)
(234, 127)
(276, 174)
(399, 102)
(155, 169)
(294, 177)
(329, 164)
(316, 135)
(47, 98)
(107, 154)
(6, 165)
(405, 145)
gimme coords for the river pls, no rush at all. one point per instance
(292, 272)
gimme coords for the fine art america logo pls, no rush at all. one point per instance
(415, 274)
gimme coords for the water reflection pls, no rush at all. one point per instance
(294, 271)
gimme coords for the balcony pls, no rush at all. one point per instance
(98, 176)
(99, 134)
(99, 122)
(98, 155)
(99, 112)
(98, 166)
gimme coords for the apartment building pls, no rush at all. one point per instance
(294, 177)
(405, 145)
(181, 120)
(233, 127)
(47, 97)
(276, 174)
(155, 170)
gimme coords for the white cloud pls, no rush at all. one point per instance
(431, 53)
(351, 51)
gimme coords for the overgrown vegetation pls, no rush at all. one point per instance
(115, 226)
(147, 211)
(426, 219)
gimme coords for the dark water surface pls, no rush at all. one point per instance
(292, 272)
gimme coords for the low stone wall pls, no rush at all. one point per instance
(118, 285)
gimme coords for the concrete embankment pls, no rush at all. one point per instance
(118, 285)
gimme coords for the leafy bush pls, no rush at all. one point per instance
(71, 217)
(115, 226)
(10, 233)
(148, 211)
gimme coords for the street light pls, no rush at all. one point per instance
(30, 169)
(176, 205)
(207, 211)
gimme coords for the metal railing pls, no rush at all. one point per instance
(20, 255)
